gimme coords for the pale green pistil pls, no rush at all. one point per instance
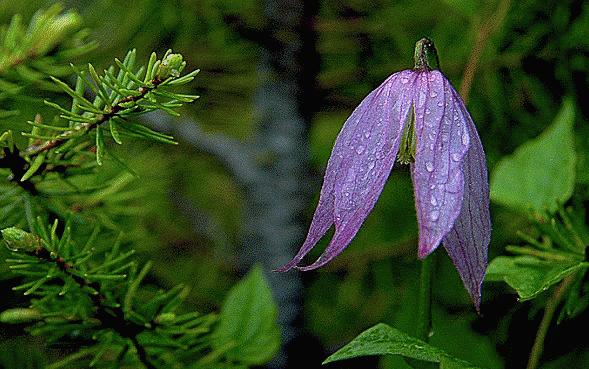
(408, 144)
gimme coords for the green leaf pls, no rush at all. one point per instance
(528, 275)
(247, 330)
(526, 181)
(385, 340)
(447, 362)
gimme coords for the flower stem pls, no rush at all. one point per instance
(549, 310)
(424, 307)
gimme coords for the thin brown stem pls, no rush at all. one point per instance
(482, 37)
(549, 310)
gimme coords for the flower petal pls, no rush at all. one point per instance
(468, 241)
(442, 143)
(361, 160)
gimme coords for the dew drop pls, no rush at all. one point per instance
(370, 165)
(465, 140)
(427, 111)
(433, 200)
(429, 166)
(456, 157)
(421, 98)
(404, 80)
(440, 104)
(367, 134)
(359, 149)
(434, 94)
(434, 215)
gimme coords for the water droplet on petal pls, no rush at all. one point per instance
(421, 100)
(434, 94)
(456, 157)
(360, 149)
(370, 165)
(440, 104)
(464, 139)
(429, 166)
(433, 200)
(434, 215)
(427, 111)
(367, 134)
(404, 80)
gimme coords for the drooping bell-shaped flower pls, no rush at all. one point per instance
(415, 117)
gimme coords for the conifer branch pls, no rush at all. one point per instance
(30, 53)
(84, 128)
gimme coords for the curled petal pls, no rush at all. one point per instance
(442, 143)
(468, 241)
(361, 161)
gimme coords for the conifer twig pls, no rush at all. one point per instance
(100, 119)
(109, 317)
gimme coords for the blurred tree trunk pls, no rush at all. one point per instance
(272, 167)
(279, 193)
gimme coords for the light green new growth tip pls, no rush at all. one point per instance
(171, 66)
(18, 240)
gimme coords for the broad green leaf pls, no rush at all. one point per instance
(447, 362)
(247, 331)
(385, 340)
(540, 174)
(528, 275)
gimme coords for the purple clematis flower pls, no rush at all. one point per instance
(416, 117)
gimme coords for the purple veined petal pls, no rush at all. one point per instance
(442, 142)
(468, 241)
(361, 160)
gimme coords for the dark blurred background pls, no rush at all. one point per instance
(278, 79)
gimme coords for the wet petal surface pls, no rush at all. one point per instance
(468, 241)
(360, 163)
(442, 143)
